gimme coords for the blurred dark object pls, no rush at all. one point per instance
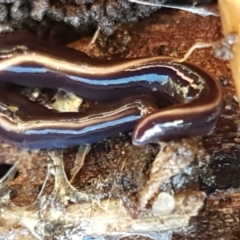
(57, 32)
(4, 168)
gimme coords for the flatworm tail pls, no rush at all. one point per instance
(195, 117)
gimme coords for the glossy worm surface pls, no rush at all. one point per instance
(127, 93)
